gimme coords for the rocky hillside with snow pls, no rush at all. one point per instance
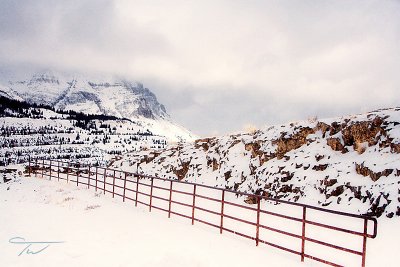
(350, 163)
(95, 95)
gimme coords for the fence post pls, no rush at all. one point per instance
(222, 211)
(194, 203)
(151, 192)
(50, 169)
(170, 199)
(258, 220)
(113, 184)
(137, 189)
(96, 177)
(88, 183)
(123, 195)
(29, 165)
(58, 170)
(104, 184)
(36, 167)
(364, 242)
(43, 168)
(303, 233)
(67, 171)
(77, 175)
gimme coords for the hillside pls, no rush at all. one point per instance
(40, 131)
(350, 163)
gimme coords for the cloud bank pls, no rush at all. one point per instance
(220, 65)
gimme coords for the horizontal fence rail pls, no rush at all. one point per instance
(183, 199)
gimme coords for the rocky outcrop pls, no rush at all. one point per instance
(320, 167)
(365, 171)
(182, 171)
(323, 127)
(299, 162)
(286, 144)
(363, 132)
(395, 148)
(205, 143)
(213, 163)
(255, 149)
(336, 145)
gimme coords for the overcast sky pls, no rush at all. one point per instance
(219, 66)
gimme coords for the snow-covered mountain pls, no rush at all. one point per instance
(350, 163)
(38, 132)
(95, 95)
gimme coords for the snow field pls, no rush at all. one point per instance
(101, 231)
(95, 225)
(182, 193)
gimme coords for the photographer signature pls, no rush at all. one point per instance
(32, 247)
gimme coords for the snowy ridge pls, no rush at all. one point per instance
(7, 92)
(350, 163)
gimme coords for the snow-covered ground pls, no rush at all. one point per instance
(98, 230)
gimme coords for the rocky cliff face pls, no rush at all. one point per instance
(350, 163)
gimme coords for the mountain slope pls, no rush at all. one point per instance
(96, 95)
(39, 131)
(350, 163)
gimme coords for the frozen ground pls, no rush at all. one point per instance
(100, 231)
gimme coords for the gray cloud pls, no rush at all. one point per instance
(218, 65)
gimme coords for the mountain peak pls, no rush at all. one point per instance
(96, 95)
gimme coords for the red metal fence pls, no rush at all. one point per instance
(143, 190)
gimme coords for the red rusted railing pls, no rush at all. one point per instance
(133, 183)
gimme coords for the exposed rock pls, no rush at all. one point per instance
(337, 191)
(365, 171)
(377, 207)
(254, 148)
(323, 127)
(336, 145)
(213, 163)
(228, 175)
(395, 148)
(251, 200)
(329, 182)
(321, 167)
(181, 173)
(205, 143)
(286, 144)
(361, 132)
(287, 176)
(319, 157)
(252, 169)
(149, 158)
(335, 128)
(285, 188)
